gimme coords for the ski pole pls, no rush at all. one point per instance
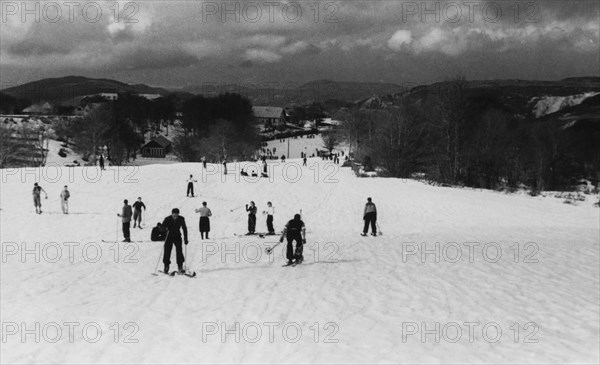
(379, 229)
(161, 253)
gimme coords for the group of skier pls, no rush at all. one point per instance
(37, 198)
(129, 213)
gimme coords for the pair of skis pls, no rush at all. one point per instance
(191, 274)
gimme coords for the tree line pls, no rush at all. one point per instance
(459, 137)
(217, 128)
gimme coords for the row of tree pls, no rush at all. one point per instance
(458, 137)
(217, 128)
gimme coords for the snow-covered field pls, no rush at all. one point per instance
(458, 276)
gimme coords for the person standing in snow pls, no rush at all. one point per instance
(101, 162)
(64, 200)
(190, 186)
(137, 212)
(205, 213)
(294, 231)
(304, 160)
(37, 200)
(224, 167)
(270, 212)
(173, 224)
(251, 217)
(125, 215)
(370, 217)
(203, 162)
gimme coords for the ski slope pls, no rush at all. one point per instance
(354, 299)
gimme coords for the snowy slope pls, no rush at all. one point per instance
(551, 104)
(359, 294)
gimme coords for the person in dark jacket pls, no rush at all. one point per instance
(370, 218)
(173, 224)
(158, 234)
(137, 212)
(125, 215)
(294, 231)
(251, 217)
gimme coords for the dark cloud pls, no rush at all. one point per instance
(37, 47)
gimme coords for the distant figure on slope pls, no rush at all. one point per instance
(173, 224)
(137, 212)
(243, 173)
(270, 212)
(224, 167)
(101, 162)
(370, 217)
(251, 217)
(64, 200)
(37, 201)
(126, 220)
(190, 186)
(304, 161)
(294, 231)
(283, 158)
(158, 233)
(205, 213)
(203, 159)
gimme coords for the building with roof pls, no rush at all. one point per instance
(157, 147)
(269, 116)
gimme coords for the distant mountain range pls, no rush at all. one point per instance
(63, 89)
(517, 95)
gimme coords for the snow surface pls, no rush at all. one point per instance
(363, 293)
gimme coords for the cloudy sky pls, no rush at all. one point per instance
(184, 43)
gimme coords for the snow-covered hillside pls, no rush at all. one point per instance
(525, 266)
(551, 104)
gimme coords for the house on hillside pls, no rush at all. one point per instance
(269, 116)
(157, 147)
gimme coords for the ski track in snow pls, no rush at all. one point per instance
(364, 285)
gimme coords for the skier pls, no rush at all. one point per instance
(243, 173)
(172, 224)
(370, 217)
(304, 160)
(205, 213)
(157, 233)
(190, 186)
(126, 220)
(137, 212)
(270, 212)
(64, 200)
(203, 159)
(294, 231)
(37, 201)
(224, 167)
(101, 162)
(251, 217)
(265, 167)
(283, 158)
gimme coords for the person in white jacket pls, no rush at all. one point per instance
(205, 213)
(64, 200)
(190, 186)
(270, 212)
